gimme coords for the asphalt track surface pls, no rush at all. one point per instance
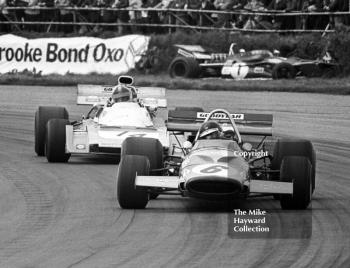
(66, 215)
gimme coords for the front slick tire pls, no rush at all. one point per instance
(296, 169)
(128, 196)
(55, 147)
(42, 116)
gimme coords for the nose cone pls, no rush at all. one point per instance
(214, 187)
(214, 173)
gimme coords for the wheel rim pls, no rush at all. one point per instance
(285, 73)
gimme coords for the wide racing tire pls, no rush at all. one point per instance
(42, 116)
(184, 67)
(149, 147)
(283, 70)
(296, 169)
(128, 196)
(295, 147)
(55, 147)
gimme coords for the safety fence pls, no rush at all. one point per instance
(23, 18)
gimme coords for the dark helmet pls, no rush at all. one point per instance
(210, 130)
(121, 94)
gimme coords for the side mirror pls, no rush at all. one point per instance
(187, 145)
(247, 146)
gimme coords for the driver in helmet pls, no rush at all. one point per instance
(120, 94)
(210, 130)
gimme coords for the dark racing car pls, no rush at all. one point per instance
(195, 61)
(265, 64)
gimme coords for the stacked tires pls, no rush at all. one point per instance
(138, 156)
(50, 133)
(296, 160)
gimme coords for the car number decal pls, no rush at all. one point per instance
(239, 70)
(211, 169)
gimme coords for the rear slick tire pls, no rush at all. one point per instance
(183, 67)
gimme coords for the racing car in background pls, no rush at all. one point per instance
(195, 61)
(118, 112)
(265, 64)
(223, 167)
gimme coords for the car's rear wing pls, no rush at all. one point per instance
(248, 124)
(97, 94)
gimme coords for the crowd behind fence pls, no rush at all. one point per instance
(155, 16)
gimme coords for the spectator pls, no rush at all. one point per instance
(93, 16)
(47, 15)
(193, 17)
(150, 17)
(32, 15)
(64, 15)
(134, 16)
(107, 16)
(314, 22)
(290, 22)
(255, 5)
(166, 18)
(164, 4)
(223, 5)
(254, 21)
(278, 5)
(181, 17)
(205, 19)
(123, 15)
(19, 14)
(339, 6)
(3, 16)
(238, 19)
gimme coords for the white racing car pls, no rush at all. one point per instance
(118, 112)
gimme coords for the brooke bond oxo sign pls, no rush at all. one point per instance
(81, 55)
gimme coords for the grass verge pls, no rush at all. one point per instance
(338, 86)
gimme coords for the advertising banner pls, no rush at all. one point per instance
(79, 55)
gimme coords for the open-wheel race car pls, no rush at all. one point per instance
(118, 112)
(216, 163)
(195, 61)
(265, 64)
